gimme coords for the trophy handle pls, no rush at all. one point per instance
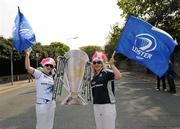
(86, 88)
(57, 90)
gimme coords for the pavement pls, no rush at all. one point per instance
(7, 87)
(23, 83)
(139, 106)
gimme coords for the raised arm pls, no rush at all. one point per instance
(27, 62)
(117, 74)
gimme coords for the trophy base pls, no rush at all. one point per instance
(74, 100)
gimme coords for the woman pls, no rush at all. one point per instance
(45, 106)
(103, 92)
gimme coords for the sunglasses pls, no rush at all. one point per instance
(47, 65)
(97, 62)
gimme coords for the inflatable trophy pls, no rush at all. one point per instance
(73, 75)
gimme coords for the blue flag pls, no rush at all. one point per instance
(145, 44)
(23, 35)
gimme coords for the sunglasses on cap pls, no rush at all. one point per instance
(97, 62)
(47, 65)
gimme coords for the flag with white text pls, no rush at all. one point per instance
(146, 44)
(23, 35)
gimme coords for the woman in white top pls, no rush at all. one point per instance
(45, 106)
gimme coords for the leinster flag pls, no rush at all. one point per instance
(23, 35)
(145, 44)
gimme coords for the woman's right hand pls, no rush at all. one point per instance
(27, 60)
(111, 61)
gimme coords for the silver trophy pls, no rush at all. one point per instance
(74, 75)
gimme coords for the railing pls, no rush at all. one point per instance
(6, 79)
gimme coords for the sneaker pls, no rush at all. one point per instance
(169, 91)
(165, 90)
(173, 92)
(157, 89)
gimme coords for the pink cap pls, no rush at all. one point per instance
(99, 56)
(48, 60)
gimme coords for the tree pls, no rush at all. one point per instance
(58, 49)
(112, 39)
(5, 48)
(53, 50)
(164, 14)
(91, 49)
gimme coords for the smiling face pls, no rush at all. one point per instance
(47, 68)
(48, 64)
(97, 66)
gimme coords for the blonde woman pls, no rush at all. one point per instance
(45, 106)
(102, 86)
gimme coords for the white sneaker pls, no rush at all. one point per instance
(165, 90)
(157, 89)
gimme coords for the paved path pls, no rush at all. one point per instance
(139, 106)
(6, 87)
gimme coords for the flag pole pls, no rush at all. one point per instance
(113, 54)
(12, 78)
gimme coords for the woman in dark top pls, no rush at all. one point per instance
(103, 92)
